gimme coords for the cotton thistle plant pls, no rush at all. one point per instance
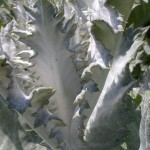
(68, 70)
